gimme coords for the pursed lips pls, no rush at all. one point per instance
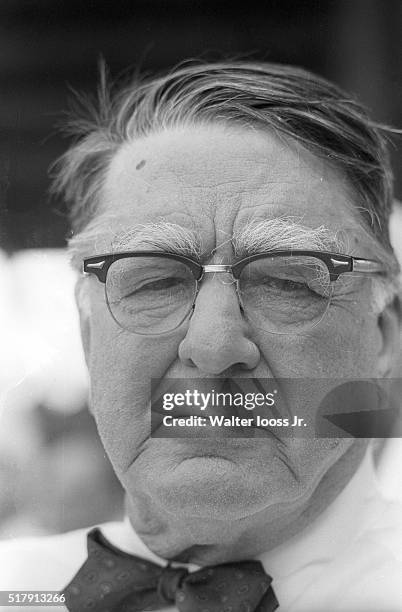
(208, 389)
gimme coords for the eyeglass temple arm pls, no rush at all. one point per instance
(366, 265)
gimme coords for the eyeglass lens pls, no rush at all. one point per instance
(149, 295)
(285, 294)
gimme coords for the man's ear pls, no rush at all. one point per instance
(82, 301)
(389, 323)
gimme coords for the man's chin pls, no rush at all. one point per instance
(226, 480)
(216, 488)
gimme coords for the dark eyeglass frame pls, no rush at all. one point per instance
(336, 263)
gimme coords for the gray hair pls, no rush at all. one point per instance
(283, 99)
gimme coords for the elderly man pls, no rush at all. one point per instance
(218, 214)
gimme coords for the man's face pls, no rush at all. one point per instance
(214, 181)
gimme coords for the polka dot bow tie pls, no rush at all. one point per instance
(111, 580)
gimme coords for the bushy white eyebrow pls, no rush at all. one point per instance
(160, 235)
(168, 237)
(284, 233)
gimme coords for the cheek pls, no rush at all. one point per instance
(351, 338)
(331, 353)
(340, 349)
(121, 366)
(345, 344)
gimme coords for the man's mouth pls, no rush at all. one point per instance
(201, 406)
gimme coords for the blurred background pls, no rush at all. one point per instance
(53, 473)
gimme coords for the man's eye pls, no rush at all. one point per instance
(155, 288)
(285, 284)
(292, 287)
(160, 284)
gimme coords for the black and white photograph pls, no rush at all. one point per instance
(201, 306)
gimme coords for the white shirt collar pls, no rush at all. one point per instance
(331, 531)
(299, 560)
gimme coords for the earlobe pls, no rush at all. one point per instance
(389, 323)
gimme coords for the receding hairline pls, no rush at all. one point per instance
(289, 99)
(331, 241)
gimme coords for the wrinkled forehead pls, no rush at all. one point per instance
(215, 180)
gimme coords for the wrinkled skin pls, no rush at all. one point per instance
(214, 500)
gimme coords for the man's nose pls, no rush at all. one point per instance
(218, 335)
